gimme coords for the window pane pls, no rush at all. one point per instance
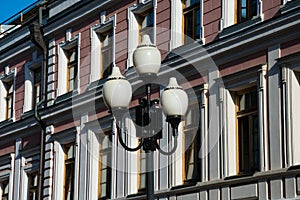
(142, 181)
(103, 190)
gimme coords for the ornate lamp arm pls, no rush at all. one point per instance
(170, 152)
(124, 145)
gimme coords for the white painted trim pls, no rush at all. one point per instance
(29, 81)
(204, 133)
(17, 167)
(132, 161)
(176, 24)
(92, 165)
(263, 123)
(58, 172)
(62, 65)
(10, 75)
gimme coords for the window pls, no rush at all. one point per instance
(36, 86)
(68, 63)
(192, 145)
(33, 186)
(248, 130)
(243, 106)
(146, 22)
(69, 171)
(7, 96)
(9, 86)
(5, 190)
(72, 69)
(106, 53)
(191, 17)
(104, 169)
(103, 48)
(246, 9)
(237, 11)
(33, 82)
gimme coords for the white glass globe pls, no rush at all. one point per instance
(146, 57)
(174, 99)
(117, 91)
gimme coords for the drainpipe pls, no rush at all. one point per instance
(38, 39)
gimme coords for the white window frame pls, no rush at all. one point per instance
(240, 81)
(5, 78)
(133, 25)
(7, 173)
(228, 12)
(29, 165)
(61, 139)
(62, 63)
(97, 29)
(29, 80)
(177, 32)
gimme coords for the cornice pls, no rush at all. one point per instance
(76, 12)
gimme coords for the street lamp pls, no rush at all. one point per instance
(117, 95)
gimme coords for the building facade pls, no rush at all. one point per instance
(238, 60)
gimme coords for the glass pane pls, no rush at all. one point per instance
(71, 85)
(71, 73)
(104, 160)
(103, 176)
(243, 136)
(142, 166)
(188, 24)
(105, 142)
(256, 143)
(70, 153)
(103, 190)
(143, 181)
(72, 56)
(190, 172)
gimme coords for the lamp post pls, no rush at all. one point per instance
(117, 95)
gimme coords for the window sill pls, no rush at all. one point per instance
(28, 114)
(6, 122)
(66, 96)
(139, 193)
(239, 28)
(289, 6)
(186, 183)
(241, 175)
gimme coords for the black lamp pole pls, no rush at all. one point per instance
(117, 93)
(150, 133)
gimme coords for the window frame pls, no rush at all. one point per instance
(30, 68)
(63, 48)
(7, 78)
(192, 131)
(69, 162)
(107, 152)
(228, 87)
(250, 113)
(96, 46)
(187, 10)
(230, 14)
(33, 188)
